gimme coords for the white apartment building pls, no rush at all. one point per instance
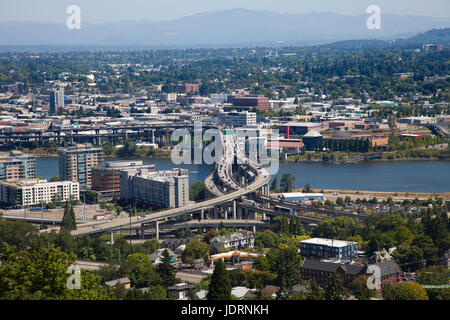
(31, 192)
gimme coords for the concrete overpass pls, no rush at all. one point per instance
(261, 181)
(301, 208)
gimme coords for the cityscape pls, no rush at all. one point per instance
(238, 171)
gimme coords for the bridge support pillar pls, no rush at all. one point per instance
(234, 210)
(111, 238)
(157, 229)
(254, 229)
(202, 214)
(225, 213)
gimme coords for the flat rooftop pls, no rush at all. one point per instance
(328, 242)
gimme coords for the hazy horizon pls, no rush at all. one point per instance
(103, 11)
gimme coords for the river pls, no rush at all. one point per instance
(396, 176)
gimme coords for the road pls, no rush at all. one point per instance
(261, 179)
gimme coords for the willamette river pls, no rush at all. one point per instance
(407, 176)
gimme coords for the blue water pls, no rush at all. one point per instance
(406, 176)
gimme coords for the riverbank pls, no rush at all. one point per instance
(332, 194)
(55, 155)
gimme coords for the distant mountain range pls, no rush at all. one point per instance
(236, 27)
(435, 36)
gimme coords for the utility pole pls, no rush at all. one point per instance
(131, 210)
(42, 215)
(84, 206)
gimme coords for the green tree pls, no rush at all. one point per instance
(151, 246)
(287, 267)
(335, 289)
(195, 249)
(404, 291)
(41, 273)
(274, 184)
(16, 233)
(316, 291)
(69, 221)
(91, 196)
(220, 285)
(262, 263)
(140, 270)
(166, 271)
(197, 191)
(307, 188)
(361, 291)
(287, 182)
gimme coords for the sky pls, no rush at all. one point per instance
(100, 11)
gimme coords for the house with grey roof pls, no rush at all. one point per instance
(121, 281)
(389, 271)
(234, 241)
(180, 291)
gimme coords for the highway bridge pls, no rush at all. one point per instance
(226, 194)
(232, 192)
(302, 208)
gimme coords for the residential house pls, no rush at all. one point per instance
(233, 241)
(121, 281)
(180, 291)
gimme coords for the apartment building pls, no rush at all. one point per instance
(106, 177)
(167, 188)
(31, 192)
(76, 163)
(328, 248)
(17, 165)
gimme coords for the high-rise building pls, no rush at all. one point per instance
(31, 192)
(56, 99)
(168, 188)
(17, 165)
(107, 177)
(76, 163)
